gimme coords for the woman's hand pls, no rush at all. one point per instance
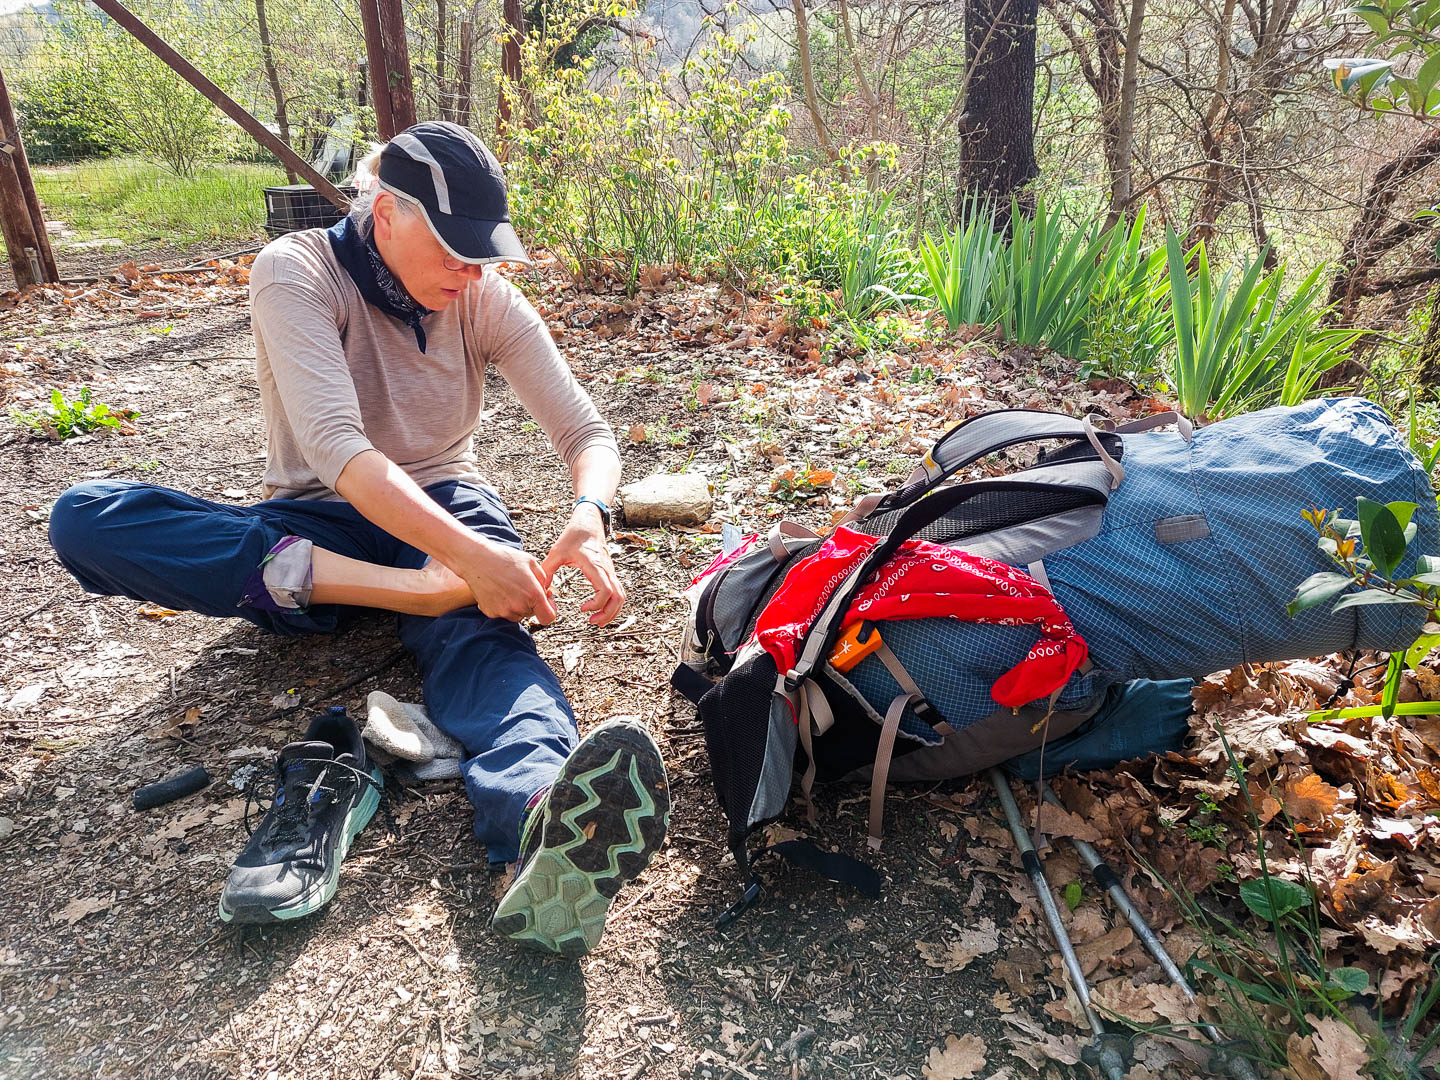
(582, 545)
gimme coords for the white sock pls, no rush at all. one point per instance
(442, 768)
(405, 730)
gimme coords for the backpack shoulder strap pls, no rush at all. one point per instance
(986, 434)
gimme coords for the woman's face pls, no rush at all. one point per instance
(429, 273)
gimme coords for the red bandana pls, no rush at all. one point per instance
(928, 581)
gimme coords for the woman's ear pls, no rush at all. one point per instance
(383, 211)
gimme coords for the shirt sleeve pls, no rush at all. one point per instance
(298, 325)
(519, 345)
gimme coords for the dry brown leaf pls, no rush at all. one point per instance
(1311, 800)
(1123, 998)
(959, 1059)
(1395, 831)
(1055, 821)
(973, 942)
(1334, 1052)
(77, 909)
(1094, 953)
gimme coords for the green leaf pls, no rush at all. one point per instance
(1273, 898)
(1074, 893)
(1318, 588)
(1369, 597)
(1390, 693)
(1350, 980)
(1417, 652)
(1403, 511)
(1405, 708)
(1381, 534)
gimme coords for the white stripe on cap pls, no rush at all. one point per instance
(417, 150)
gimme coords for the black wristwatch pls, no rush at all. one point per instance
(604, 510)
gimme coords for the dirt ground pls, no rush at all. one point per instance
(113, 962)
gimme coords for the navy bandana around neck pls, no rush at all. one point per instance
(361, 259)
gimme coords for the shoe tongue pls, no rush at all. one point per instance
(301, 762)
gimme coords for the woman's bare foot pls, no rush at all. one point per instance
(446, 589)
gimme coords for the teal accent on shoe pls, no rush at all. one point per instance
(324, 890)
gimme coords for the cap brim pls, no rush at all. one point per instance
(475, 241)
(471, 240)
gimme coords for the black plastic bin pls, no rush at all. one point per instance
(293, 207)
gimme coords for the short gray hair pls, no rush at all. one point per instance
(366, 181)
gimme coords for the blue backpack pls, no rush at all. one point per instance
(1174, 551)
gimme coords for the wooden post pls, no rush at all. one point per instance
(397, 58)
(21, 219)
(379, 69)
(228, 105)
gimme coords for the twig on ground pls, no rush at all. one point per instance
(324, 1012)
(16, 620)
(389, 1050)
(423, 958)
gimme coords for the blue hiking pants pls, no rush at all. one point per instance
(484, 683)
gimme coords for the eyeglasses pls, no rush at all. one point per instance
(454, 265)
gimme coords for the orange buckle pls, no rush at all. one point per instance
(856, 641)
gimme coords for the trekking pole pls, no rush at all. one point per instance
(1238, 1066)
(1107, 1049)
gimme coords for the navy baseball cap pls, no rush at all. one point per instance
(458, 185)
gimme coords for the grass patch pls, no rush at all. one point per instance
(137, 201)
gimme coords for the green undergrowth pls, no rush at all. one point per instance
(139, 202)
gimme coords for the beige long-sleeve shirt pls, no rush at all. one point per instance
(338, 377)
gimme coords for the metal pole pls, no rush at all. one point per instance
(1105, 1047)
(226, 104)
(1110, 881)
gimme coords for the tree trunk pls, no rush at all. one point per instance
(807, 74)
(1427, 372)
(1217, 193)
(872, 103)
(997, 128)
(397, 61)
(1121, 171)
(379, 69)
(267, 57)
(462, 79)
(445, 102)
(1376, 231)
(513, 78)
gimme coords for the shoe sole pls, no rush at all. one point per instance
(605, 817)
(323, 891)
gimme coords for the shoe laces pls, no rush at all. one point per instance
(292, 816)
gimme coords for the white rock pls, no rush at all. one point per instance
(678, 499)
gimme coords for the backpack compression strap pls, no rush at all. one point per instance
(815, 646)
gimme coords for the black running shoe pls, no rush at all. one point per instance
(325, 792)
(597, 827)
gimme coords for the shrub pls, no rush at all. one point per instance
(63, 117)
